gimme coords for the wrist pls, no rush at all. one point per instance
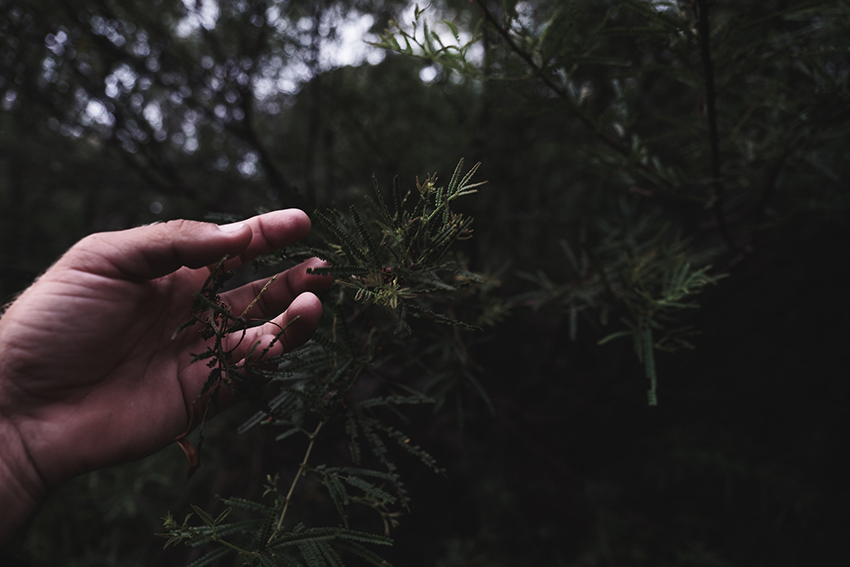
(21, 487)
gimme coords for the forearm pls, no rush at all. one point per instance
(21, 488)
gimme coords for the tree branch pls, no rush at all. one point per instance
(562, 93)
(301, 468)
(547, 80)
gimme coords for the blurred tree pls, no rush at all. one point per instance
(166, 109)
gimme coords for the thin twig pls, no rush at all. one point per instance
(301, 468)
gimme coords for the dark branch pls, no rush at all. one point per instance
(547, 80)
(562, 93)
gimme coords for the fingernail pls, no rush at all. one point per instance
(233, 227)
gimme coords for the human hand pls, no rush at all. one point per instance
(89, 373)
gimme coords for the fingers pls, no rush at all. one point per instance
(280, 293)
(272, 231)
(284, 333)
(154, 251)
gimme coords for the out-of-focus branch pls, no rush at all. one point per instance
(562, 93)
(547, 80)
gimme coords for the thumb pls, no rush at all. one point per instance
(156, 250)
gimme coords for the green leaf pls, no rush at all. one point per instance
(288, 433)
(338, 496)
(370, 489)
(453, 29)
(268, 524)
(613, 336)
(279, 558)
(299, 539)
(213, 555)
(223, 516)
(206, 518)
(353, 445)
(333, 558)
(312, 556)
(649, 364)
(365, 553)
(482, 393)
(348, 245)
(364, 537)
(368, 472)
(371, 248)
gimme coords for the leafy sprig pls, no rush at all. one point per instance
(391, 265)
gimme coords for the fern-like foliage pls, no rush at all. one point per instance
(402, 257)
(313, 547)
(395, 275)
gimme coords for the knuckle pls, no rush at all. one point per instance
(179, 225)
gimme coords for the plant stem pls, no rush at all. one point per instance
(234, 547)
(301, 468)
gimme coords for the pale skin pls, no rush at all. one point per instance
(89, 373)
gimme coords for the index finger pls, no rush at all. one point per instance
(271, 231)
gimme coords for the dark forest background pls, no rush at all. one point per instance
(625, 143)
